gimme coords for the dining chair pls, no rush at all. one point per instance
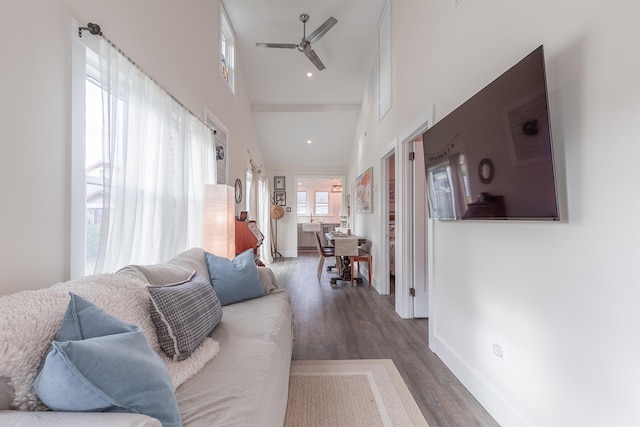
(363, 256)
(325, 252)
(345, 249)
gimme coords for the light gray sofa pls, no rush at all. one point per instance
(244, 384)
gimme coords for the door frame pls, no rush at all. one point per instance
(404, 217)
(384, 285)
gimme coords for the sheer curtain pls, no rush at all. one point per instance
(158, 157)
(263, 219)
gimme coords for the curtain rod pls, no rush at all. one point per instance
(95, 30)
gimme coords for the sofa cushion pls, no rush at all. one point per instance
(105, 364)
(234, 280)
(184, 315)
(30, 320)
(268, 279)
(157, 275)
(191, 260)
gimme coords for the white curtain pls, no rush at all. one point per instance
(263, 219)
(159, 157)
(249, 203)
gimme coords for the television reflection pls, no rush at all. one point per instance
(492, 157)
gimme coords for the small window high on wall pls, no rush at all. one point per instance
(227, 49)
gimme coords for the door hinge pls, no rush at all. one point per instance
(412, 292)
(412, 156)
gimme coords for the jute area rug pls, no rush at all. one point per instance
(349, 393)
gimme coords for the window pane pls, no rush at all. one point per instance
(227, 47)
(94, 170)
(322, 203)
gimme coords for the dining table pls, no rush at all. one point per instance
(346, 245)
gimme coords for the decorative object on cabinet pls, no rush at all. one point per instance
(238, 191)
(219, 229)
(364, 192)
(486, 206)
(279, 183)
(280, 198)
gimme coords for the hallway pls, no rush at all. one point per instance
(348, 322)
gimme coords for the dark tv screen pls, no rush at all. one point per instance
(492, 157)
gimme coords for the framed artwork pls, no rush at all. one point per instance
(280, 197)
(279, 183)
(364, 192)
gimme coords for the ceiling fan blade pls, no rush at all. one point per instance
(314, 58)
(322, 29)
(278, 45)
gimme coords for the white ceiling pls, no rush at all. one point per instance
(289, 108)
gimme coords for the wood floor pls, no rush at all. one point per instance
(345, 322)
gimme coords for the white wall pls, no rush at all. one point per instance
(562, 298)
(177, 43)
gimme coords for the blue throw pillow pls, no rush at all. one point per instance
(234, 280)
(105, 364)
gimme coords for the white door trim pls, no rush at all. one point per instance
(404, 218)
(382, 279)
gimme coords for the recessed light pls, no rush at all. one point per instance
(309, 74)
(308, 141)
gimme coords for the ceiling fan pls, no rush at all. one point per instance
(305, 43)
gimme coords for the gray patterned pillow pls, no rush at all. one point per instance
(184, 315)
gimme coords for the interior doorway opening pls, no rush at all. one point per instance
(318, 205)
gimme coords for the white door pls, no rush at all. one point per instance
(420, 220)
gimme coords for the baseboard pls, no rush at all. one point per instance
(286, 254)
(498, 406)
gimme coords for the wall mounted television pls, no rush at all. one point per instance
(492, 157)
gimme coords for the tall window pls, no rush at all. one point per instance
(322, 203)
(301, 203)
(139, 164)
(227, 49)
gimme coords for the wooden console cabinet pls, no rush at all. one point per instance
(248, 236)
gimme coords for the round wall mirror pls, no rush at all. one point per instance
(238, 188)
(485, 171)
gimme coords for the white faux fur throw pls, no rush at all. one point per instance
(29, 321)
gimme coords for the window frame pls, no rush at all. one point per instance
(227, 49)
(306, 203)
(316, 204)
